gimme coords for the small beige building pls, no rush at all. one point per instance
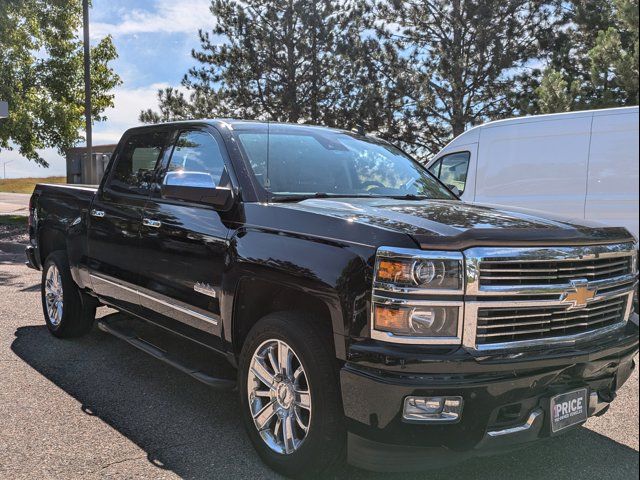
(81, 170)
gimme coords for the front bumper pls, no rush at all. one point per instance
(506, 398)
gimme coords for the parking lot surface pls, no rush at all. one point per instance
(97, 408)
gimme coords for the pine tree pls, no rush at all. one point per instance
(464, 58)
(555, 94)
(614, 58)
(306, 61)
(596, 52)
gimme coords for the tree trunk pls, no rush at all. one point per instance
(458, 120)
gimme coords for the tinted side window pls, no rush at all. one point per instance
(453, 172)
(135, 164)
(196, 161)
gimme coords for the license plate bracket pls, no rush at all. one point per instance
(568, 409)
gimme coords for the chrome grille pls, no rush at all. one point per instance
(498, 325)
(532, 297)
(552, 272)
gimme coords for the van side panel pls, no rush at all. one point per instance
(535, 165)
(612, 189)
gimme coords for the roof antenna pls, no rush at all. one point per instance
(360, 130)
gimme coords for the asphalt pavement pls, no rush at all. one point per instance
(96, 407)
(14, 203)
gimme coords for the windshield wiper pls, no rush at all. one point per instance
(298, 198)
(408, 196)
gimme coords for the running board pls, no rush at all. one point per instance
(132, 339)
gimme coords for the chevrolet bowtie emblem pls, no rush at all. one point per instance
(579, 294)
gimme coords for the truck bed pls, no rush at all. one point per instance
(55, 209)
(62, 199)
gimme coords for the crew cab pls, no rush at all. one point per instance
(371, 315)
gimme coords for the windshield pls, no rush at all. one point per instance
(290, 160)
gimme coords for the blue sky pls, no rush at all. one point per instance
(154, 39)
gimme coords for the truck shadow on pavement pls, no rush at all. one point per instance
(196, 432)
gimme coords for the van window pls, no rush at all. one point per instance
(435, 168)
(453, 170)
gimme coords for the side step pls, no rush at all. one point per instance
(110, 324)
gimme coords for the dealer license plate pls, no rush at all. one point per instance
(568, 409)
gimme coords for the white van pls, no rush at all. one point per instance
(576, 165)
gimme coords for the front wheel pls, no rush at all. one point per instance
(68, 312)
(290, 395)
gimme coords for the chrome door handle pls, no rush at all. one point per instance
(97, 213)
(147, 222)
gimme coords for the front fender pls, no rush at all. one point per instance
(338, 274)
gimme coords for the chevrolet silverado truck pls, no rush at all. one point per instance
(371, 316)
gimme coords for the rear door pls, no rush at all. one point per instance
(116, 215)
(185, 242)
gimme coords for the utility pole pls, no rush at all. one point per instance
(4, 166)
(87, 77)
(4, 113)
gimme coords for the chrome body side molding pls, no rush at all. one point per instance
(171, 304)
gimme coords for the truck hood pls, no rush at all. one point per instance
(454, 225)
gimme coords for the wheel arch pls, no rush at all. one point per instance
(270, 271)
(50, 239)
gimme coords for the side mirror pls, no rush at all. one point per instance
(183, 178)
(197, 187)
(221, 198)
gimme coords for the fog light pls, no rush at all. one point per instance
(432, 409)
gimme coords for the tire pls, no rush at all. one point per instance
(68, 312)
(322, 448)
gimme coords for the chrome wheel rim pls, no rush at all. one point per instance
(53, 295)
(279, 396)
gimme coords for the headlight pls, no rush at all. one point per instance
(402, 311)
(410, 269)
(420, 321)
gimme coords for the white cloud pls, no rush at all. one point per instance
(124, 114)
(169, 16)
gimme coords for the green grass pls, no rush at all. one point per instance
(13, 220)
(26, 185)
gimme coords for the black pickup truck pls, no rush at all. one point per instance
(371, 316)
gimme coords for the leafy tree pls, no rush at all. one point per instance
(41, 75)
(294, 61)
(464, 57)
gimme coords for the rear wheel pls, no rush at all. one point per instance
(68, 312)
(290, 396)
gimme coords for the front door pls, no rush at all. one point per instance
(185, 242)
(115, 219)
